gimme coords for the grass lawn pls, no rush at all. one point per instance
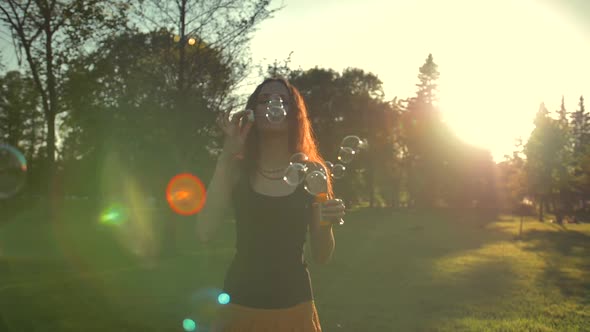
(61, 270)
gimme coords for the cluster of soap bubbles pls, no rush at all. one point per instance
(313, 175)
(350, 147)
(302, 170)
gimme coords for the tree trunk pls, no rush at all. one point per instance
(371, 174)
(52, 110)
(182, 49)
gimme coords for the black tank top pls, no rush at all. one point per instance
(269, 269)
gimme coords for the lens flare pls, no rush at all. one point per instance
(205, 304)
(13, 171)
(113, 215)
(189, 325)
(223, 298)
(186, 194)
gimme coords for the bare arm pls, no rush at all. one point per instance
(218, 201)
(320, 229)
(218, 197)
(321, 240)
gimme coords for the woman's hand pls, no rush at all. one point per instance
(331, 210)
(236, 129)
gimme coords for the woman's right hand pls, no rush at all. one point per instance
(235, 129)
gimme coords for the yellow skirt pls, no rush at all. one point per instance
(302, 317)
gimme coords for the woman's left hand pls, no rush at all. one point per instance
(327, 212)
(333, 209)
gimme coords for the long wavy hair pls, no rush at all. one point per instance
(300, 131)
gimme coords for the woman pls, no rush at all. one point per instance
(268, 280)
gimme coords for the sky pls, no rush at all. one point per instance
(498, 59)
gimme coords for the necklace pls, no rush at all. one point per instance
(271, 170)
(268, 177)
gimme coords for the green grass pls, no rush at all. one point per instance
(61, 270)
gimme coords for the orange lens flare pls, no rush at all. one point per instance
(186, 194)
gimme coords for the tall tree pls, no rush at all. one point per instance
(420, 123)
(124, 93)
(120, 121)
(512, 179)
(580, 127)
(50, 33)
(580, 122)
(225, 25)
(427, 87)
(350, 103)
(547, 162)
(21, 121)
(562, 114)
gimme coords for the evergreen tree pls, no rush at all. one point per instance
(428, 76)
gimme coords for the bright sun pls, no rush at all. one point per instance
(498, 59)
(497, 73)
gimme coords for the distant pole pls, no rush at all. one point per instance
(523, 207)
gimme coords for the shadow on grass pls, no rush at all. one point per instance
(383, 270)
(61, 270)
(383, 276)
(567, 254)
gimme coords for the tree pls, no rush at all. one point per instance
(122, 122)
(21, 121)
(350, 103)
(51, 33)
(548, 161)
(277, 69)
(420, 123)
(580, 131)
(225, 25)
(427, 87)
(512, 179)
(562, 114)
(125, 94)
(580, 122)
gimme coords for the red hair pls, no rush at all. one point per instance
(301, 136)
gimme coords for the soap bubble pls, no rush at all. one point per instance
(329, 166)
(355, 143)
(316, 183)
(338, 171)
(346, 154)
(299, 158)
(275, 109)
(294, 174)
(311, 167)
